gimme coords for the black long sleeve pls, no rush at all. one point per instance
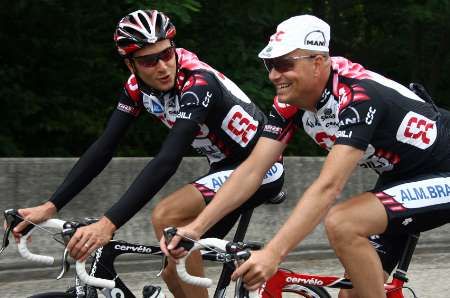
(155, 174)
(94, 160)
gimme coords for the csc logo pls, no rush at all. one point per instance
(240, 126)
(324, 140)
(417, 130)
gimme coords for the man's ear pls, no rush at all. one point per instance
(130, 65)
(319, 62)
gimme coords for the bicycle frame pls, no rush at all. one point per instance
(103, 264)
(285, 279)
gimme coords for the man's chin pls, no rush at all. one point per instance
(283, 99)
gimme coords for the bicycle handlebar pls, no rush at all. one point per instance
(203, 282)
(90, 280)
(23, 248)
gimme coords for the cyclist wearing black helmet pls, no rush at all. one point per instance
(201, 107)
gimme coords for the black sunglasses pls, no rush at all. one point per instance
(284, 64)
(152, 59)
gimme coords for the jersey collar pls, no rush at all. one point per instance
(328, 91)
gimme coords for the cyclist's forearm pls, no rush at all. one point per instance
(94, 160)
(86, 169)
(142, 190)
(155, 174)
(308, 213)
(317, 199)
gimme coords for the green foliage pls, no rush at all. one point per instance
(61, 75)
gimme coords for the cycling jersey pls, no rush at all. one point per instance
(204, 109)
(228, 120)
(405, 139)
(401, 134)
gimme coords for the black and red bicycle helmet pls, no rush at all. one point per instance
(141, 28)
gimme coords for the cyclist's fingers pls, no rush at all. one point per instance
(240, 271)
(18, 229)
(253, 280)
(163, 246)
(81, 249)
(178, 252)
(86, 251)
(174, 242)
(254, 285)
(22, 225)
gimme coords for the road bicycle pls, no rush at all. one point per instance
(285, 281)
(102, 274)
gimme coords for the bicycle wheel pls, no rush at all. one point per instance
(91, 292)
(53, 295)
(304, 291)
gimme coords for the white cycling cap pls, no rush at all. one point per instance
(300, 32)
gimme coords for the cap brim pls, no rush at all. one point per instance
(274, 51)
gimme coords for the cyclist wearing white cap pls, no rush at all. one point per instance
(364, 119)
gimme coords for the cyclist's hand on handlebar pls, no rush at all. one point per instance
(89, 238)
(172, 248)
(257, 269)
(36, 215)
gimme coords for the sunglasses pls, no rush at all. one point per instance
(152, 59)
(284, 64)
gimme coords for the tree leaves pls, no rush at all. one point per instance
(61, 74)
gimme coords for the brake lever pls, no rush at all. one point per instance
(65, 265)
(12, 220)
(163, 265)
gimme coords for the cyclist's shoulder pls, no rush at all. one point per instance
(190, 65)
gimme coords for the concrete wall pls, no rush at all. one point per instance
(29, 181)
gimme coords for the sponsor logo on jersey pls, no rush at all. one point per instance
(132, 88)
(424, 193)
(325, 94)
(351, 117)
(315, 38)
(207, 98)
(370, 115)
(307, 281)
(128, 109)
(348, 94)
(417, 130)
(379, 160)
(216, 180)
(312, 123)
(344, 134)
(184, 115)
(194, 80)
(206, 147)
(239, 125)
(156, 107)
(324, 140)
(407, 221)
(327, 114)
(272, 129)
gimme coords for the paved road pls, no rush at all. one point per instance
(429, 275)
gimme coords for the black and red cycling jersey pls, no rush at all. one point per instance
(402, 134)
(204, 110)
(227, 119)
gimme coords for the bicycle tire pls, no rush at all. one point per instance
(91, 292)
(53, 295)
(305, 291)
